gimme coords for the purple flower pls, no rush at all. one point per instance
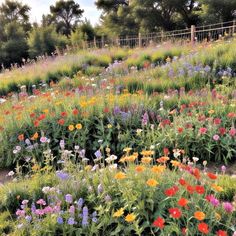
(228, 207)
(60, 220)
(145, 119)
(98, 154)
(69, 198)
(107, 198)
(62, 175)
(223, 169)
(100, 188)
(94, 219)
(71, 221)
(72, 210)
(28, 218)
(33, 207)
(85, 216)
(80, 203)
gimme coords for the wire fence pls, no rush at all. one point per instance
(208, 33)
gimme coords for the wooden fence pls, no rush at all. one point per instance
(194, 34)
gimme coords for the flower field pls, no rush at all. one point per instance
(121, 142)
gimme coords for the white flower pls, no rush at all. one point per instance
(111, 158)
(46, 190)
(11, 173)
(113, 167)
(195, 159)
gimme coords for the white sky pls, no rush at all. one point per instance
(40, 7)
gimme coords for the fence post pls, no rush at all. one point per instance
(234, 23)
(94, 42)
(103, 41)
(193, 32)
(140, 40)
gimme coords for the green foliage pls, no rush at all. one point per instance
(45, 40)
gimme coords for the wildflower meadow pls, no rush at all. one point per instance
(120, 141)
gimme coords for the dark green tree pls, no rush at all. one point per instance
(65, 15)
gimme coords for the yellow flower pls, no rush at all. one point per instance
(146, 160)
(127, 150)
(147, 153)
(119, 213)
(130, 217)
(139, 168)
(79, 126)
(109, 126)
(217, 216)
(211, 112)
(120, 175)
(158, 169)
(88, 167)
(71, 127)
(152, 183)
(217, 188)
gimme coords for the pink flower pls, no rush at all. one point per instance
(228, 207)
(39, 212)
(20, 213)
(41, 202)
(232, 132)
(202, 130)
(216, 137)
(48, 210)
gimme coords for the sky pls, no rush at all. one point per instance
(40, 7)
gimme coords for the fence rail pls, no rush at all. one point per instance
(194, 34)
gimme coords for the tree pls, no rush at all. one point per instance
(219, 10)
(14, 46)
(15, 11)
(66, 15)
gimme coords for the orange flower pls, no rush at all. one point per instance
(21, 137)
(199, 215)
(146, 160)
(71, 127)
(78, 126)
(163, 159)
(140, 168)
(35, 136)
(147, 153)
(158, 169)
(120, 175)
(175, 163)
(217, 188)
(152, 183)
(130, 217)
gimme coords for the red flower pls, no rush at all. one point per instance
(175, 213)
(159, 222)
(202, 130)
(42, 117)
(200, 189)
(75, 112)
(231, 115)
(190, 189)
(61, 122)
(222, 130)
(166, 151)
(180, 130)
(211, 175)
(182, 182)
(36, 123)
(183, 202)
(196, 173)
(221, 233)
(63, 114)
(217, 121)
(203, 228)
(106, 110)
(32, 115)
(171, 191)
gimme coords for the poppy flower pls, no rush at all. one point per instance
(183, 202)
(203, 228)
(159, 222)
(200, 189)
(182, 182)
(63, 114)
(211, 176)
(171, 191)
(175, 213)
(61, 122)
(221, 233)
(190, 189)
